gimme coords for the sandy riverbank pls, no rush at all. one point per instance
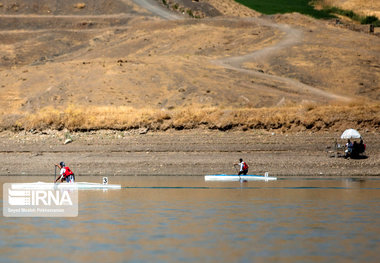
(195, 152)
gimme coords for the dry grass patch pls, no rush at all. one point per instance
(364, 7)
(80, 5)
(289, 118)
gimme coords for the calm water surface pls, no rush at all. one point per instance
(171, 219)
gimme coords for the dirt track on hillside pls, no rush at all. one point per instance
(292, 37)
(157, 9)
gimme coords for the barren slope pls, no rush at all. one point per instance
(117, 53)
(364, 7)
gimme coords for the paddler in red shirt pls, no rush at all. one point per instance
(65, 173)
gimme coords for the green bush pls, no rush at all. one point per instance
(349, 13)
(370, 20)
(377, 23)
(189, 12)
(285, 6)
(305, 7)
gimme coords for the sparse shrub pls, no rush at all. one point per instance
(309, 106)
(80, 5)
(352, 15)
(348, 13)
(189, 12)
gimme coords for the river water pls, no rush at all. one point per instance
(172, 219)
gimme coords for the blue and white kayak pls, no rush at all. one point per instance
(234, 177)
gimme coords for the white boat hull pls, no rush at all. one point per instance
(78, 185)
(234, 178)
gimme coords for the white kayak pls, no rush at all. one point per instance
(234, 177)
(78, 185)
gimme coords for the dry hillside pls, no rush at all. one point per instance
(363, 7)
(115, 64)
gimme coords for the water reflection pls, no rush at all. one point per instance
(186, 219)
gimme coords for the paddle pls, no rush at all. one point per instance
(237, 172)
(55, 174)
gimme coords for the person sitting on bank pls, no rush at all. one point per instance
(348, 150)
(355, 149)
(362, 146)
(358, 148)
(65, 173)
(243, 167)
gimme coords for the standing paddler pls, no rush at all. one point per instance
(65, 173)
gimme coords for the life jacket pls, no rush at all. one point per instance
(67, 172)
(245, 166)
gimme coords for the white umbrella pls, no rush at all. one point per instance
(350, 134)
